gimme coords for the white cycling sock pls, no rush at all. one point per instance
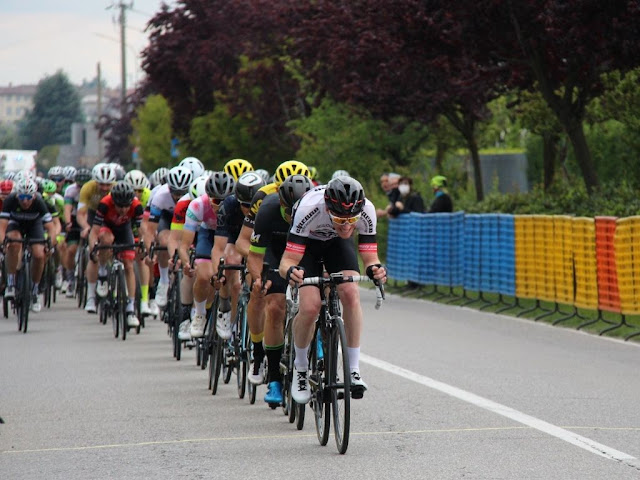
(201, 307)
(301, 362)
(91, 290)
(354, 358)
(130, 305)
(164, 274)
(102, 271)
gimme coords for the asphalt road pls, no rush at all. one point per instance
(453, 393)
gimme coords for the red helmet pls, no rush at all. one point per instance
(6, 186)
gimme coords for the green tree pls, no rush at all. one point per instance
(9, 137)
(219, 136)
(152, 133)
(56, 105)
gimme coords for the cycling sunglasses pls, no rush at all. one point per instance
(25, 196)
(344, 220)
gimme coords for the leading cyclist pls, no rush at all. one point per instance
(321, 231)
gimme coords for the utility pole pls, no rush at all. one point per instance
(99, 112)
(122, 20)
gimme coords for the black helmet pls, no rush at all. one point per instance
(83, 175)
(219, 185)
(122, 194)
(248, 184)
(344, 196)
(293, 188)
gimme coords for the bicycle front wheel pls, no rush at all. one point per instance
(242, 350)
(121, 299)
(340, 385)
(26, 295)
(319, 392)
(215, 362)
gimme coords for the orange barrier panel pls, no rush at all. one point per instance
(608, 292)
(584, 261)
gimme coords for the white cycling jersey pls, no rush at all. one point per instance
(161, 200)
(311, 218)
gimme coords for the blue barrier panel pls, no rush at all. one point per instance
(397, 255)
(507, 255)
(472, 252)
(413, 244)
(424, 257)
(457, 241)
(489, 250)
(442, 273)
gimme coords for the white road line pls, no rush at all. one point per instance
(573, 438)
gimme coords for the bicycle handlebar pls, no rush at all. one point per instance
(337, 279)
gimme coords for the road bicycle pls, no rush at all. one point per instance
(294, 411)
(114, 305)
(232, 355)
(81, 259)
(329, 372)
(21, 303)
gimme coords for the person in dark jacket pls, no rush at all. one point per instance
(408, 200)
(442, 201)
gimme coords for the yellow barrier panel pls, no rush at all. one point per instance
(627, 252)
(543, 251)
(525, 258)
(584, 259)
(562, 258)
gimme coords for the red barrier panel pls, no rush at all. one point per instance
(608, 291)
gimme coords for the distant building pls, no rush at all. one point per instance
(15, 102)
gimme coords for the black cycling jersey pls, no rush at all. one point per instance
(38, 210)
(230, 219)
(271, 229)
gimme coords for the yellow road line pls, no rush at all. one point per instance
(292, 436)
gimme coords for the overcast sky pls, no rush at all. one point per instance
(40, 37)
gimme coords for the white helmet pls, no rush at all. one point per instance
(55, 171)
(179, 180)
(137, 179)
(264, 174)
(340, 173)
(197, 188)
(24, 174)
(159, 177)
(103, 173)
(193, 164)
(26, 185)
(69, 173)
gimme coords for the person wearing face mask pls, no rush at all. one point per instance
(408, 200)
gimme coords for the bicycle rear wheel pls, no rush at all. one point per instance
(81, 281)
(340, 385)
(319, 393)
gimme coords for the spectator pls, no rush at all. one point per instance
(408, 200)
(389, 185)
(442, 201)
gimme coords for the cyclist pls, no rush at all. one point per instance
(55, 203)
(323, 224)
(268, 243)
(71, 226)
(230, 217)
(102, 179)
(24, 214)
(140, 184)
(340, 173)
(56, 174)
(6, 187)
(313, 175)
(117, 215)
(255, 308)
(197, 189)
(161, 205)
(202, 216)
(69, 173)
